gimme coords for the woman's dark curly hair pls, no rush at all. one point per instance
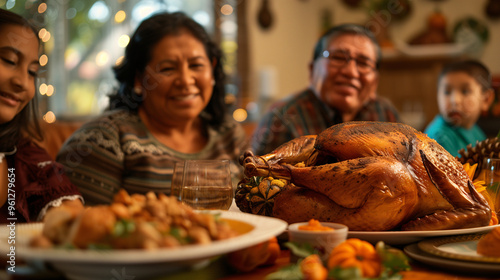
(25, 123)
(138, 55)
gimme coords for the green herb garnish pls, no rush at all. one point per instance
(123, 228)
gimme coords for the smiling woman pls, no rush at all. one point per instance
(177, 87)
(169, 107)
(27, 173)
(83, 40)
(18, 68)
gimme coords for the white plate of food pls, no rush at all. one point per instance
(144, 264)
(460, 247)
(456, 266)
(407, 237)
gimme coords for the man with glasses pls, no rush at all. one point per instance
(343, 87)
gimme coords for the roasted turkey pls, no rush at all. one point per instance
(371, 176)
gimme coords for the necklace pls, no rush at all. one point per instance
(2, 155)
(10, 153)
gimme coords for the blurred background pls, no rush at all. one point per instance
(267, 45)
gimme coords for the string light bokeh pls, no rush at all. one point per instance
(83, 40)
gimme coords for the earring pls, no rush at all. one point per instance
(137, 91)
(213, 82)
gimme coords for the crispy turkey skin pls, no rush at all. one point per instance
(372, 176)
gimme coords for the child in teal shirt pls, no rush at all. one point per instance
(464, 92)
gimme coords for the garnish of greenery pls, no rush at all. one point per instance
(289, 272)
(301, 250)
(123, 228)
(176, 233)
(393, 261)
(350, 273)
(217, 217)
(292, 271)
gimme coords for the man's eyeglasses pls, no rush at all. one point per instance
(340, 59)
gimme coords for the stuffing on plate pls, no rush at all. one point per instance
(132, 222)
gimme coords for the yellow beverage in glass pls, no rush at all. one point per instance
(490, 173)
(207, 184)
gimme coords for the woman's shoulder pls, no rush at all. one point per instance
(110, 123)
(229, 138)
(114, 117)
(30, 152)
(230, 130)
(105, 130)
(229, 125)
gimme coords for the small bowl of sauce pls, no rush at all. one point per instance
(323, 237)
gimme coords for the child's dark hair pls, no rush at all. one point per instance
(474, 68)
(25, 123)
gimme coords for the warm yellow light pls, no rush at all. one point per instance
(43, 89)
(226, 9)
(71, 58)
(229, 99)
(102, 58)
(50, 90)
(88, 70)
(42, 8)
(123, 40)
(44, 59)
(44, 35)
(120, 16)
(119, 60)
(229, 46)
(49, 117)
(240, 115)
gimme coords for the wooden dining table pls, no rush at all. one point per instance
(418, 271)
(220, 270)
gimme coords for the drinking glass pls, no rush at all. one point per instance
(207, 184)
(177, 177)
(490, 173)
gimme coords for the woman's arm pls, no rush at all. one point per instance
(93, 161)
